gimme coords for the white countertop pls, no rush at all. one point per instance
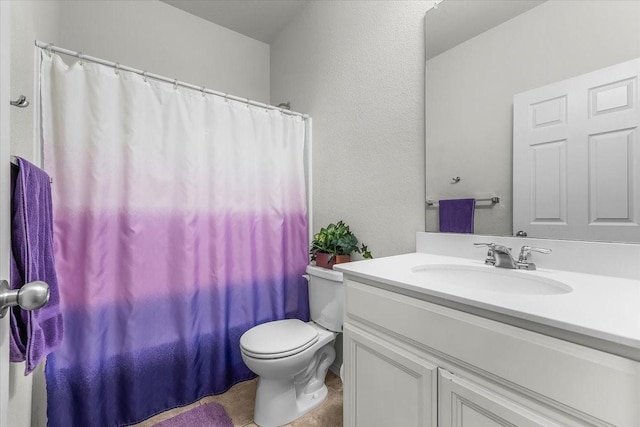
(602, 307)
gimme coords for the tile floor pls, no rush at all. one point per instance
(238, 402)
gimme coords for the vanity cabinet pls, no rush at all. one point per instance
(411, 362)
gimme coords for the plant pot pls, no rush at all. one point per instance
(322, 260)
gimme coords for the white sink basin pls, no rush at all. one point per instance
(490, 279)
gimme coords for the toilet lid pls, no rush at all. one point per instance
(280, 338)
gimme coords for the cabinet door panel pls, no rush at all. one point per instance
(463, 403)
(386, 386)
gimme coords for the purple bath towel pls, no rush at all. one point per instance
(207, 415)
(456, 215)
(34, 333)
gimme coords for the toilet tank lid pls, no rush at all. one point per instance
(325, 273)
(280, 336)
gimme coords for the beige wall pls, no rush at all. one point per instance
(470, 92)
(357, 68)
(149, 35)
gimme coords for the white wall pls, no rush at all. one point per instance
(470, 92)
(357, 68)
(149, 35)
(29, 20)
(154, 36)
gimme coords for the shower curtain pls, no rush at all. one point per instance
(180, 222)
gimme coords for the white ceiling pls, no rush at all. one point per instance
(258, 19)
(455, 21)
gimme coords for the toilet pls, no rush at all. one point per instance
(291, 357)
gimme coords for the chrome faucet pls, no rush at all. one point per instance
(500, 256)
(503, 257)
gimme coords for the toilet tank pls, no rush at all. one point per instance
(326, 297)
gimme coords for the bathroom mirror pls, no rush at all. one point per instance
(479, 54)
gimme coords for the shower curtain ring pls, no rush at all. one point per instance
(80, 58)
(247, 102)
(202, 90)
(175, 84)
(116, 68)
(49, 49)
(144, 76)
(226, 97)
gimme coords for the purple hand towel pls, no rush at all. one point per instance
(34, 333)
(456, 215)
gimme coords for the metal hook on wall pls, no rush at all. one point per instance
(455, 180)
(21, 102)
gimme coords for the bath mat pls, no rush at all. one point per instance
(207, 415)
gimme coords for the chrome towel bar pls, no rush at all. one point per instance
(433, 203)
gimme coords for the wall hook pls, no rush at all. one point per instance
(455, 180)
(21, 102)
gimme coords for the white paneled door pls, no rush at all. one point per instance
(576, 157)
(5, 188)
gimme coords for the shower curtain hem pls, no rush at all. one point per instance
(253, 376)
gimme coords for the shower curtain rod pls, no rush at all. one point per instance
(115, 65)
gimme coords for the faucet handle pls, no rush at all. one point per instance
(490, 245)
(524, 253)
(526, 250)
(491, 259)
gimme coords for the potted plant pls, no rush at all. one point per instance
(334, 245)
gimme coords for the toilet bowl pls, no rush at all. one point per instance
(291, 357)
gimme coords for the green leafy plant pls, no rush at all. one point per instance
(337, 239)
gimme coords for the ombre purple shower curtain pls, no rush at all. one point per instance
(180, 221)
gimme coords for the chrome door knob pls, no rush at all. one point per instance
(30, 296)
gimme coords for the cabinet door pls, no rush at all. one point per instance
(386, 386)
(464, 403)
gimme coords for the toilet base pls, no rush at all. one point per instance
(280, 401)
(278, 405)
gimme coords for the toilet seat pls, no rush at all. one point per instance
(278, 339)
